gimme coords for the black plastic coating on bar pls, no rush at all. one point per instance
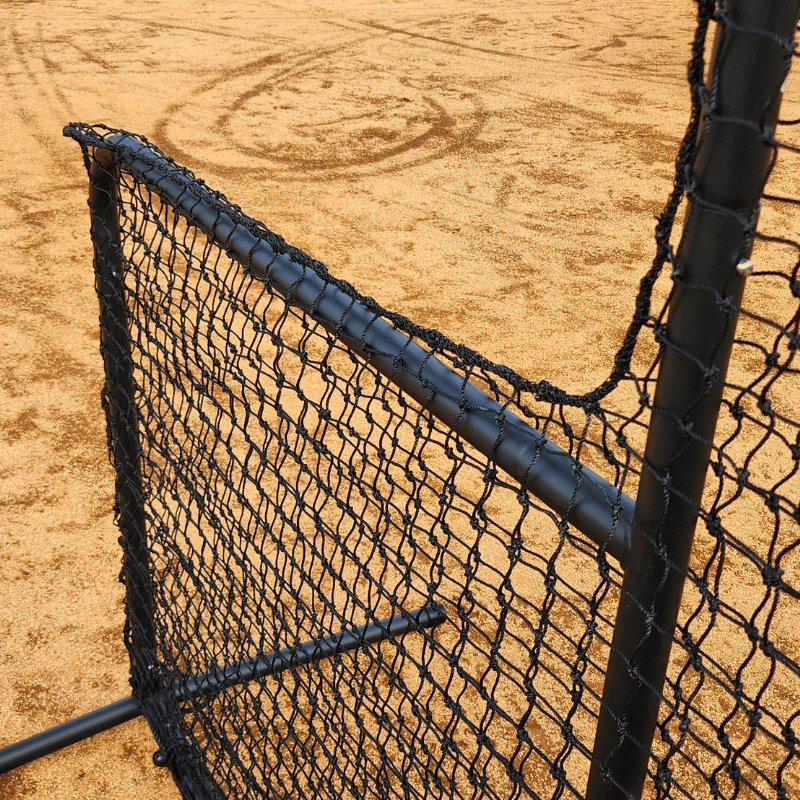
(730, 169)
(76, 730)
(292, 657)
(83, 727)
(596, 507)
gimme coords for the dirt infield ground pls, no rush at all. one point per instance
(489, 169)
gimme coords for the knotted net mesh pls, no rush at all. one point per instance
(282, 490)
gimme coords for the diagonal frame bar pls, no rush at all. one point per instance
(589, 502)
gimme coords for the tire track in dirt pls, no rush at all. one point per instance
(300, 143)
(589, 64)
(609, 70)
(87, 55)
(396, 132)
(48, 95)
(180, 27)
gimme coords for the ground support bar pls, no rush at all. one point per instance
(218, 680)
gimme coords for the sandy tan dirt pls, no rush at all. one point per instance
(489, 169)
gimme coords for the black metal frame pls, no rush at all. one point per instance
(210, 683)
(589, 502)
(730, 169)
(572, 490)
(652, 539)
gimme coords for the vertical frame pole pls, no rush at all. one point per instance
(118, 399)
(749, 63)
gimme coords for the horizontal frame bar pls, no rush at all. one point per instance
(593, 505)
(209, 683)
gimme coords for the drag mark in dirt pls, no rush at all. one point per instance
(293, 115)
(47, 98)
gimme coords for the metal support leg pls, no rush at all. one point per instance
(730, 169)
(76, 730)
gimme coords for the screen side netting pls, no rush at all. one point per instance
(292, 492)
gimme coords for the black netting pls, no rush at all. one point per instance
(284, 490)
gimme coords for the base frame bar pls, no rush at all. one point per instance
(208, 683)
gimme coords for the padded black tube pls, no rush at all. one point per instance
(596, 507)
